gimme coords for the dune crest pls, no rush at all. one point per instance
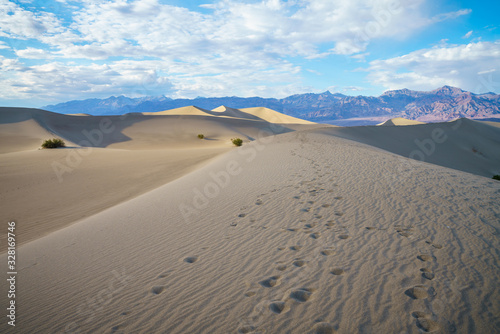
(274, 116)
(183, 111)
(118, 157)
(399, 121)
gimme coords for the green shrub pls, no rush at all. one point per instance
(237, 141)
(496, 177)
(53, 143)
(201, 136)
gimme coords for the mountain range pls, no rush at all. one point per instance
(441, 104)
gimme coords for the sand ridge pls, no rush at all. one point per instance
(463, 144)
(399, 121)
(116, 157)
(337, 243)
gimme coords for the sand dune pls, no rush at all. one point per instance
(303, 232)
(466, 145)
(257, 114)
(273, 116)
(129, 155)
(183, 111)
(306, 228)
(399, 121)
(20, 131)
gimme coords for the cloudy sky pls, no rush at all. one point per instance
(58, 50)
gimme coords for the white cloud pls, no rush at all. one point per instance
(58, 80)
(237, 49)
(16, 22)
(487, 71)
(468, 35)
(456, 65)
(284, 28)
(352, 89)
(451, 15)
(33, 53)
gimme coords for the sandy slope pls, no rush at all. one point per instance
(466, 145)
(399, 121)
(302, 233)
(131, 154)
(256, 114)
(43, 198)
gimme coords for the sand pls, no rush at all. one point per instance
(108, 159)
(466, 145)
(301, 232)
(399, 121)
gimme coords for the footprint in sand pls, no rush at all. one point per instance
(323, 328)
(427, 325)
(258, 202)
(241, 215)
(191, 259)
(437, 246)
(418, 314)
(164, 274)
(311, 225)
(405, 232)
(156, 290)
(426, 273)
(317, 216)
(424, 323)
(327, 252)
(337, 271)
(370, 228)
(296, 248)
(338, 213)
(281, 267)
(315, 235)
(250, 293)
(418, 292)
(278, 307)
(299, 263)
(338, 198)
(270, 282)
(330, 223)
(301, 295)
(325, 206)
(343, 236)
(424, 257)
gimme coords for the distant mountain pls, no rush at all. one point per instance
(441, 104)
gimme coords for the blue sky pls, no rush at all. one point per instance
(53, 51)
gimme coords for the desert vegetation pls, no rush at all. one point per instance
(53, 143)
(237, 141)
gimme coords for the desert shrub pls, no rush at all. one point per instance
(201, 136)
(496, 177)
(53, 143)
(237, 141)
